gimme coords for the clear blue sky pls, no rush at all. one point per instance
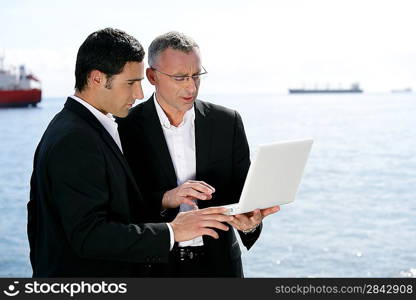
(247, 46)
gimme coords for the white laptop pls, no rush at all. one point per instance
(274, 176)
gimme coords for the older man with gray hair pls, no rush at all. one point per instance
(188, 154)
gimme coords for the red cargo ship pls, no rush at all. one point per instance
(18, 90)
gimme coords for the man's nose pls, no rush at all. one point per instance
(138, 91)
(191, 85)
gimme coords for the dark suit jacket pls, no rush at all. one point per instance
(222, 160)
(86, 214)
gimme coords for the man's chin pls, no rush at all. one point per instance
(121, 114)
(188, 106)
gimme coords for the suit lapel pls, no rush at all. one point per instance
(111, 143)
(154, 135)
(83, 112)
(203, 138)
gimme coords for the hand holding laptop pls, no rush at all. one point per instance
(250, 220)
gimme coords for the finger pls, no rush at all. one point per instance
(213, 210)
(204, 184)
(218, 218)
(207, 197)
(209, 232)
(249, 222)
(208, 186)
(235, 225)
(257, 214)
(214, 224)
(257, 217)
(244, 221)
(271, 210)
(192, 199)
(201, 187)
(242, 218)
(190, 192)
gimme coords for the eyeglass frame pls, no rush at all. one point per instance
(181, 78)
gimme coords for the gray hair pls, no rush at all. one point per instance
(172, 39)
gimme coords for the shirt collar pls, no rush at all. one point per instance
(164, 120)
(105, 119)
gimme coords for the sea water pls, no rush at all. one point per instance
(355, 211)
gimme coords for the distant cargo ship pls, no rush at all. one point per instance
(406, 90)
(18, 89)
(355, 88)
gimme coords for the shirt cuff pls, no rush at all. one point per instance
(172, 236)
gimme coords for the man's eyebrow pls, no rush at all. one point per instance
(135, 79)
(186, 74)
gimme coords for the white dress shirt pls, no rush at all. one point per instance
(111, 126)
(181, 145)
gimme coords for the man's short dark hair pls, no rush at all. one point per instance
(106, 50)
(172, 39)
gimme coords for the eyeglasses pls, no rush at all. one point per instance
(183, 78)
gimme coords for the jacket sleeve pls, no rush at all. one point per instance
(241, 164)
(80, 193)
(31, 215)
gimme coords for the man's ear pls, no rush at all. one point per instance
(96, 78)
(151, 75)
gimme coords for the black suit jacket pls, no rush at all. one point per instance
(86, 214)
(222, 160)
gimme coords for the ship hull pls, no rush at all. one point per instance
(20, 98)
(300, 91)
